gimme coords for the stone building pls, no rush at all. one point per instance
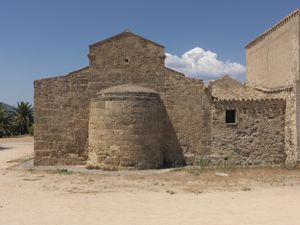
(127, 110)
(273, 69)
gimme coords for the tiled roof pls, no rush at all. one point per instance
(226, 88)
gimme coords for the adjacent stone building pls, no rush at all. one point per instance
(127, 110)
(273, 68)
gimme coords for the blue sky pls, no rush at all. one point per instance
(40, 39)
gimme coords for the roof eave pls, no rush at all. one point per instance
(125, 33)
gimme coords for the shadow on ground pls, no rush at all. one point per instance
(4, 148)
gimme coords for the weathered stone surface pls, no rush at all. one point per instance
(228, 88)
(134, 135)
(273, 58)
(62, 104)
(127, 110)
(273, 67)
(258, 136)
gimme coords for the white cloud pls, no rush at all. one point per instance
(205, 65)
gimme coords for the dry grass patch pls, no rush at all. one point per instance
(200, 179)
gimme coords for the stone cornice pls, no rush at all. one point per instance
(274, 90)
(274, 28)
(248, 100)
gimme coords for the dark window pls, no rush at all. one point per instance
(230, 116)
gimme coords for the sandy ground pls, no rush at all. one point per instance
(66, 196)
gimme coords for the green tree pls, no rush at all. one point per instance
(6, 122)
(23, 117)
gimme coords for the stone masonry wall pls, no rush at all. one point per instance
(273, 64)
(61, 122)
(125, 131)
(193, 127)
(126, 59)
(258, 136)
(62, 103)
(188, 107)
(273, 59)
(289, 95)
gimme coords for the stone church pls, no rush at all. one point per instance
(127, 110)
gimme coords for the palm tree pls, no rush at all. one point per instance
(23, 117)
(6, 122)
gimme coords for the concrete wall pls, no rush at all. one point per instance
(273, 59)
(258, 136)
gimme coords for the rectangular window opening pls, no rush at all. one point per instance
(230, 116)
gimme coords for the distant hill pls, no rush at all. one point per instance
(7, 107)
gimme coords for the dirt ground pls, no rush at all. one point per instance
(77, 196)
